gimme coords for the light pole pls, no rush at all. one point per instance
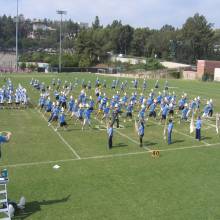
(61, 13)
(17, 39)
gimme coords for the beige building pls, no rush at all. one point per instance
(191, 75)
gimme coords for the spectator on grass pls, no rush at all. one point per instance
(4, 138)
(115, 115)
(141, 132)
(110, 135)
(198, 128)
(170, 129)
(210, 108)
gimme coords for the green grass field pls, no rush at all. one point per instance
(123, 183)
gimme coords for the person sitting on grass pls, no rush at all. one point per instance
(4, 138)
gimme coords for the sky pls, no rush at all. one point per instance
(137, 13)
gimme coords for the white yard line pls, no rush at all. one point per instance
(207, 128)
(38, 163)
(62, 139)
(124, 135)
(189, 90)
(67, 144)
(186, 135)
(179, 132)
(189, 147)
(207, 121)
(106, 156)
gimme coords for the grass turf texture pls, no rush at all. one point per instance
(123, 183)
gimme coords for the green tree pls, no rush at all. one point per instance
(70, 60)
(22, 65)
(197, 37)
(85, 61)
(96, 23)
(139, 41)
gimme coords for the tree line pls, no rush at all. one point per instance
(196, 39)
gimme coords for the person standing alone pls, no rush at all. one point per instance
(141, 132)
(170, 129)
(110, 135)
(198, 128)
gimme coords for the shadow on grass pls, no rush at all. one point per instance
(151, 125)
(205, 138)
(35, 206)
(177, 141)
(120, 145)
(70, 129)
(147, 143)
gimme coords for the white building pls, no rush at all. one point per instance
(217, 74)
(83, 25)
(39, 25)
(31, 35)
(173, 65)
(126, 59)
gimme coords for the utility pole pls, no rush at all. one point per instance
(17, 39)
(61, 13)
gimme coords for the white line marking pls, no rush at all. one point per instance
(38, 163)
(190, 147)
(207, 128)
(61, 137)
(107, 156)
(208, 122)
(186, 135)
(124, 135)
(67, 144)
